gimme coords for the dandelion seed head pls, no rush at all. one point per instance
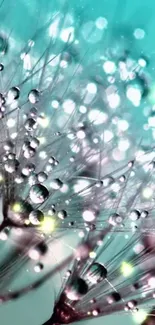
(77, 165)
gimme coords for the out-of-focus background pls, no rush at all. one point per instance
(20, 19)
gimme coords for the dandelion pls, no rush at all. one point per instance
(76, 162)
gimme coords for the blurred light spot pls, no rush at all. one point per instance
(80, 186)
(43, 121)
(55, 104)
(140, 316)
(11, 122)
(109, 67)
(134, 95)
(107, 136)
(80, 134)
(82, 109)
(92, 88)
(48, 225)
(101, 23)
(123, 144)
(142, 63)
(88, 215)
(122, 125)
(126, 269)
(139, 33)
(43, 155)
(68, 106)
(81, 234)
(97, 117)
(92, 255)
(67, 35)
(147, 193)
(114, 100)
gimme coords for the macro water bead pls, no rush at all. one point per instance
(8, 146)
(38, 251)
(33, 96)
(42, 177)
(38, 194)
(34, 142)
(1, 67)
(62, 214)
(76, 289)
(96, 273)
(38, 267)
(13, 94)
(11, 165)
(36, 217)
(30, 124)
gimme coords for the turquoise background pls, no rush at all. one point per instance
(21, 18)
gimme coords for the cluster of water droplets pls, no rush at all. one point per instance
(74, 156)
